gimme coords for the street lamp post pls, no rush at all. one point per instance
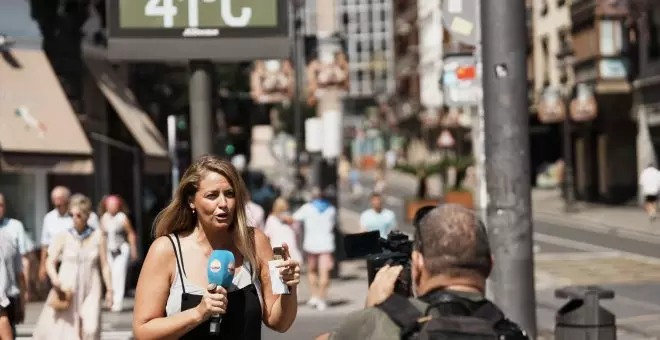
(298, 69)
(565, 59)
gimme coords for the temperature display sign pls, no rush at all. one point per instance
(197, 13)
(184, 29)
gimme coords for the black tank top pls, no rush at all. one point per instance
(243, 318)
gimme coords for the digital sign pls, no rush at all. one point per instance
(225, 30)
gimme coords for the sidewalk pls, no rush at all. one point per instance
(548, 207)
(626, 221)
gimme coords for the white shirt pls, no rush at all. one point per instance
(649, 180)
(255, 215)
(383, 221)
(15, 229)
(319, 228)
(279, 233)
(54, 224)
(113, 226)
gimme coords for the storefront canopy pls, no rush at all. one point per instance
(39, 130)
(140, 125)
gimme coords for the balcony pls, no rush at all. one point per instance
(583, 11)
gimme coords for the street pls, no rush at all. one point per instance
(565, 255)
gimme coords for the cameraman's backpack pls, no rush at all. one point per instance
(451, 317)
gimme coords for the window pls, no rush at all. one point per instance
(611, 37)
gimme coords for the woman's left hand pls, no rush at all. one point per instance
(289, 269)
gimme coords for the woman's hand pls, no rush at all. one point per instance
(289, 269)
(213, 302)
(108, 298)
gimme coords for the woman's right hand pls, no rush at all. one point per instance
(213, 302)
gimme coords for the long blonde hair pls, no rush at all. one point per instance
(177, 217)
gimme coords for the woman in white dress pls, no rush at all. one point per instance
(121, 241)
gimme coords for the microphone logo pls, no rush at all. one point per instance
(215, 266)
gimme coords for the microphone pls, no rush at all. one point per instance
(221, 273)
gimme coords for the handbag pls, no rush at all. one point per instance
(60, 301)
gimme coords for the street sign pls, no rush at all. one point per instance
(222, 30)
(461, 81)
(460, 18)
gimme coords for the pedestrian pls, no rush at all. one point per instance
(173, 299)
(121, 244)
(73, 306)
(649, 181)
(58, 221)
(377, 217)
(26, 247)
(12, 286)
(319, 218)
(255, 214)
(280, 232)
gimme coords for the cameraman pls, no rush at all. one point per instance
(451, 257)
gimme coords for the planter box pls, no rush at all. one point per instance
(463, 198)
(412, 205)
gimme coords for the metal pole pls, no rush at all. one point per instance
(569, 177)
(507, 149)
(171, 145)
(201, 119)
(297, 109)
(137, 201)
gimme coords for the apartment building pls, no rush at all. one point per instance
(430, 54)
(368, 28)
(406, 46)
(551, 25)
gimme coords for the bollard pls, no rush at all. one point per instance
(583, 318)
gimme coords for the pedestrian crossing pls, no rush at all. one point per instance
(24, 332)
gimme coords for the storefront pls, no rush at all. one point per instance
(40, 135)
(138, 162)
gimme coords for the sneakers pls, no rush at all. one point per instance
(317, 303)
(313, 301)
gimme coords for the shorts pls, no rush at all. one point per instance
(323, 261)
(651, 198)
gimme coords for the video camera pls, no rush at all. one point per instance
(395, 250)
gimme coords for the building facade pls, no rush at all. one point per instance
(647, 86)
(605, 148)
(406, 55)
(368, 29)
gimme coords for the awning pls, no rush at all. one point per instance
(39, 130)
(144, 131)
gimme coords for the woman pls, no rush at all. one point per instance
(121, 243)
(319, 218)
(81, 252)
(280, 232)
(173, 298)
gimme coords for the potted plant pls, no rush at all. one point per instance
(456, 193)
(422, 171)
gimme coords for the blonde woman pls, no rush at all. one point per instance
(121, 242)
(174, 299)
(280, 232)
(73, 306)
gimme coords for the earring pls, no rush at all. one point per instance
(193, 211)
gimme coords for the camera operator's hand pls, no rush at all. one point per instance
(383, 285)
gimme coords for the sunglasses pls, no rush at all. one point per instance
(78, 215)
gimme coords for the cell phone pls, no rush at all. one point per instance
(278, 253)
